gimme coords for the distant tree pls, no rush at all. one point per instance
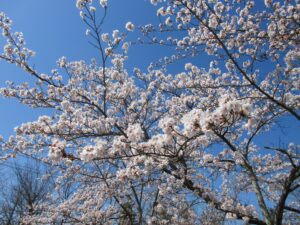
(152, 147)
(26, 188)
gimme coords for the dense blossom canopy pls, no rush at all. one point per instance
(150, 147)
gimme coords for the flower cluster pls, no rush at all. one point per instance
(149, 147)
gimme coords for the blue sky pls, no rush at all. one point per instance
(53, 28)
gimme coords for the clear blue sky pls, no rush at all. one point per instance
(53, 28)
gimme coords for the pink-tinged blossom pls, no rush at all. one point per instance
(167, 125)
(125, 47)
(56, 149)
(135, 132)
(92, 9)
(115, 33)
(62, 62)
(268, 2)
(105, 37)
(129, 26)
(156, 142)
(103, 3)
(91, 152)
(213, 22)
(168, 21)
(154, 2)
(81, 14)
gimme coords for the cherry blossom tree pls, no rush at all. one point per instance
(149, 147)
